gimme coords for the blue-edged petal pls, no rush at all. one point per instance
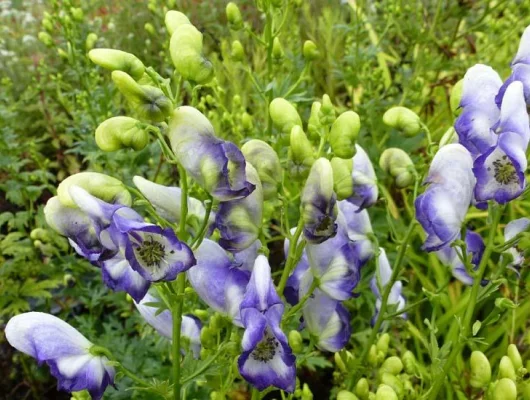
(67, 352)
(245, 259)
(512, 229)
(121, 277)
(358, 227)
(381, 280)
(365, 189)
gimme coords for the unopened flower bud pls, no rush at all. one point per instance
(284, 115)
(450, 136)
(404, 120)
(383, 342)
(372, 355)
(456, 97)
(515, 357)
(394, 382)
(277, 49)
(306, 392)
(343, 134)
(208, 336)
(45, 38)
(505, 304)
(345, 395)
(40, 234)
(117, 60)
(342, 177)
(480, 370)
(340, 363)
(150, 29)
(201, 314)
(314, 125)
(148, 101)
(266, 161)
(506, 369)
(233, 15)
(409, 362)
(246, 121)
(63, 54)
(362, 388)
(175, 19)
(385, 392)
(399, 166)
(90, 41)
(295, 341)
(238, 52)
(505, 389)
(310, 50)
(47, 24)
(392, 365)
(77, 14)
(327, 111)
(121, 132)
(300, 153)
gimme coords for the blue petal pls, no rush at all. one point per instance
(364, 180)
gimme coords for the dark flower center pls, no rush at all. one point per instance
(504, 171)
(325, 224)
(266, 349)
(151, 252)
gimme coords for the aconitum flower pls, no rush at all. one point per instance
(442, 208)
(239, 221)
(70, 356)
(166, 201)
(512, 229)
(452, 256)
(500, 170)
(267, 359)
(217, 165)
(479, 111)
(163, 323)
(217, 281)
(384, 272)
(365, 189)
(359, 229)
(118, 275)
(318, 203)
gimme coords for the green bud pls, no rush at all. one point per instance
(233, 15)
(150, 29)
(82, 395)
(266, 161)
(340, 363)
(175, 19)
(40, 234)
(515, 357)
(399, 166)
(385, 392)
(456, 96)
(238, 52)
(201, 314)
(295, 341)
(392, 365)
(409, 362)
(246, 121)
(345, 395)
(404, 120)
(148, 101)
(47, 24)
(45, 38)
(300, 153)
(450, 136)
(327, 111)
(121, 132)
(284, 115)
(372, 355)
(342, 177)
(310, 50)
(77, 14)
(63, 54)
(314, 125)
(362, 388)
(506, 369)
(383, 342)
(306, 392)
(90, 41)
(480, 370)
(343, 134)
(394, 382)
(505, 389)
(104, 187)
(505, 304)
(277, 49)
(208, 337)
(117, 60)
(186, 53)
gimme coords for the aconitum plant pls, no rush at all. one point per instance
(196, 259)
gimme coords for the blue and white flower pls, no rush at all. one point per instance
(359, 230)
(267, 359)
(66, 351)
(365, 191)
(512, 229)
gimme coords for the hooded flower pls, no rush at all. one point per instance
(365, 189)
(384, 272)
(500, 170)
(480, 113)
(512, 229)
(318, 203)
(67, 352)
(121, 277)
(239, 221)
(359, 229)
(452, 257)
(166, 201)
(267, 359)
(217, 281)
(217, 165)
(163, 323)
(442, 208)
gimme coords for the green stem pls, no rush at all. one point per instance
(133, 376)
(291, 256)
(302, 301)
(255, 394)
(200, 236)
(470, 307)
(177, 324)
